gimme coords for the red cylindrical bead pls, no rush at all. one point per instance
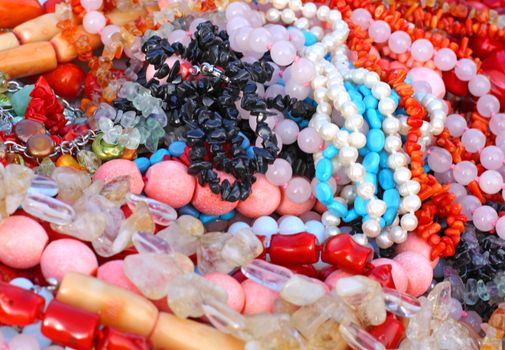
(307, 270)
(297, 249)
(383, 275)
(112, 339)
(342, 251)
(18, 306)
(70, 326)
(390, 333)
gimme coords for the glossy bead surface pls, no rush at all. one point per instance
(343, 252)
(390, 333)
(112, 339)
(297, 249)
(383, 275)
(18, 306)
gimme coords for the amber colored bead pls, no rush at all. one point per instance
(70, 326)
(129, 154)
(40, 145)
(113, 339)
(68, 161)
(26, 128)
(18, 306)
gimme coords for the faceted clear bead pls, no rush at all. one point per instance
(242, 248)
(162, 213)
(401, 304)
(149, 243)
(43, 185)
(301, 290)
(208, 253)
(440, 299)
(269, 275)
(48, 209)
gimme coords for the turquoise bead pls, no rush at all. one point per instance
(324, 169)
(349, 86)
(188, 210)
(158, 156)
(324, 193)
(371, 102)
(361, 107)
(363, 151)
(389, 215)
(351, 216)
(355, 95)
(365, 91)
(310, 39)
(330, 151)
(375, 140)
(384, 159)
(392, 198)
(369, 177)
(142, 163)
(360, 205)
(21, 99)
(373, 119)
(338, 209)
(177, 148)
(206, 219)
(228, 216)
(382, 222)
(371, 162)
(386, 179)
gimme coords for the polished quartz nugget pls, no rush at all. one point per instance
(223, 317)
(149, 243)
(269, 275)
(242, 248)
(420, 325)
(116, 189)
(301, 290)
(88, 160)
(71, 183)
(209, 251)
(48, 209)
(16, 182)
(452, 335)
(358, 338)
(401, 304)
(162, 213)
(440, 299)
(43, 185)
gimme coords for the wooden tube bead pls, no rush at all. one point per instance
(8, 41)
(42, 28)
(29, 59)
(65, 51)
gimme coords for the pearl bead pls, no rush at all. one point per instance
(376, 208)
(409, 187)
(318, 32)
(398, 235)
(409, 222)
(357, 139)
(410, 203)
(437, 126)
(393, 143)
(296, 5)
(397, 160)
(309, 10)
(341, 139)
(356, 172)
(334, 16)
(381, 90)
(383, 241)
(360, 238)
(366, 190)
(371, 228)
(273, 15)
(331, 231)
(320, 94)
(323, 107)
(328, 219)
(302, 23)
(319, 82)
(348, 109)
(348, 193)
(280, 4)
(387, 106)
(288, 16)
(354, 122)
(371, 79)
(348, 155)
(323, 12)
(391, 125)
(329, 131)
(402, 175)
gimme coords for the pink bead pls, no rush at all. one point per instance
(258, 298)
(303, 70)
(179, 36)
(488, 105)
(492, 158)
(422, 50)
(445, 59)
(399, 42)
(288, 131)
(464, 172)
(193, 27)
(419, 272)
(273, 90)
(108, 32)
(207, 202)
(169, 182)
(490, 181)
(93, 22)
(465, 69)
(297, 90)
(456, 125)
(309, 140)
(236, 23)
(263, 200)
(500, 227)
(22, 241)
(283, 53)
(288, 207)
(497, 124)
(279, 172)
(91, 5)
(296, 37)
(457, 189)
(439, 159)
(479, 85)
(278, 32)
(22, 342)
(112, 272)
(331, 280)
(445, 177)
(361, 17)
(379, 31)
(416, 244)
(430, 77)
(298, 190)
(473, 140)
(484, 218)
(121, 167)
(235, 9)
(399, 274)
(259, 40)
(67, 255)
(236, 295)
(310, 215)
(468, 204)
(240, 40)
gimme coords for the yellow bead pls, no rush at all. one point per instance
(68, 161)
(104, 151)
(129, 154)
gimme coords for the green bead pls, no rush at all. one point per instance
(5, 101)
(21, 98)
(482, 290)
(104, 151)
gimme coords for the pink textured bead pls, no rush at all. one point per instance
(422, 50)
(121, 167)
(331, 280)
(22, 241)
(399, 42)
(464, 172)
(419, 272)
(445, 59)
(263, 200)
(236, 295)
(93, 22)
(67, 255)
(490, 181)
(379, 31)
(473, 140)
(207, 202)
(416, 244)
(488, 105)
(112, 272)
(484, 218)
(179, 36)
(465, 69)
(169, 182)
(399, 274)
(430, 77)
(361, 17)
(258, 298)
(439, 159)
(492, 158)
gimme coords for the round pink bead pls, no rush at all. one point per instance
(465, 69)
(279, 172)
(439, 159)
(457, 189)
(121, 167)
(361, 17)
(303, 70)
(91, 5)
(108, 32)
(93, 22)
(207, 202)
(263, 200)
(400, 277)
(236, 295)
(288, 207)
(298, 190)
(479, 85)
(468, 204)
(331, 280)
(236, 9)
(500, 227)
(309, 140)
(113, 272)
(492, 158)
(419, 272)
(258, 298)
(288, 131)
(169, 182)
(488, 105)
(445, 59)
(22, 241)
(456, 125)
(399, 42)
(490, 181)
(67, 255)
(422, 50)
(259, 40)
(379, 31)
(418, 245)
(464, 172)
(283, 52)
(297, 90)
(484, 218)
(473, 140)
(430, 77)
(497, 124)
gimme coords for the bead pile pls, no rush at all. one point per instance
(274, 174)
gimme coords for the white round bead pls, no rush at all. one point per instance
(371, 228)
(356, 172)
(366, 190)
(391, 125)
(409, 222)
(360, 238)
(280, 4)
(331, 231)
(409, 187)
(393, 143)
(309, 10)
(288, 16)
(402, 175)
(357, 139)
(348, 155)
(383, 241)
(273, 15)
(411, 203)
(348, 193)
(397, 160)
(397, 234)
(381, 90)
(328, 219)
(371, 79)
(302, 23)
(387, 106)
(323, 12)
(376, 208)
(296, 5)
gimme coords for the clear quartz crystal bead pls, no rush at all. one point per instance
(116, 189)
(301, 290)
(209, 250)
(43, 185)
(358, 338)
(149, 243)
(162, 213)
(223, 317)
(440, 299)
(452, 335)
(269, 275)
(48, 208)
(129, 119)
(401, 304)
(242, 248)
(139, 221)
(420, 324)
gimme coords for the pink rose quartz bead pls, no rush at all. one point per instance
(258, 298)
(399, 274)
(67, 255)
(430, 77)
(331, 280)
(112, 272)
(418, 245)
(22, 241)
(209, 203)
(263, 200)
(419, 272)
(121, 167)
(169, 182)
(236, 295)
(288, 207)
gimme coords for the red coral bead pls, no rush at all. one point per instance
(342, 251)
(383, 275)
(18, 306)
(390, 333)
(297, 249)
(494, 68)
(67, 80)
(112, 339)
